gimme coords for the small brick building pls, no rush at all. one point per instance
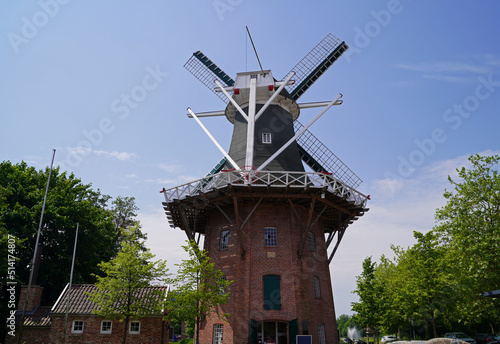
(44, 325)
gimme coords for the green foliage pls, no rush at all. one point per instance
(198, 288)
(369, 292)
(469, 225)
(345, 322)
(69, 202)
(121, 294)
(437, 283)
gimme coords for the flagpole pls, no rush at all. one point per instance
(36, 249)
(70, 282)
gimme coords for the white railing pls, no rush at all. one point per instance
(274, 179)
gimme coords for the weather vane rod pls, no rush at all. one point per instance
(255, 50)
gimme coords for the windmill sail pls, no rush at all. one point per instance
(315, 63)
(312, 151)
(321, 159)
(205, 70)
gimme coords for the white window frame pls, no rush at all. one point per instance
(267, 138)
(130, 327)
(218, 333)
(270, 237)
(110, 327)
(73, 330)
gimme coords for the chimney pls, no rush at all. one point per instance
(34, 300)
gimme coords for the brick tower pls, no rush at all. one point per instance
(267, 223)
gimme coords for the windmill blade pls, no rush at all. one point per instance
(206, 71)
(315, 63)
(321, 159)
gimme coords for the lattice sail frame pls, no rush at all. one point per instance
(313, 152)
(325, 157)
(205, 70)
(315, 63)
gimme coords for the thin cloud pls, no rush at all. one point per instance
(444, 67)
(170, 168)
(447, 78)
(122, 156)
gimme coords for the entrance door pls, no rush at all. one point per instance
(272, 332)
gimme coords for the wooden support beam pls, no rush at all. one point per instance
(306, 228)
(251, 212)
(336, 206)
(185, 222)
(235, 226)
(340, 235)
(238, 227)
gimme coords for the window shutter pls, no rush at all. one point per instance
(272, 293)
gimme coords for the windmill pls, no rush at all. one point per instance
(259, 194)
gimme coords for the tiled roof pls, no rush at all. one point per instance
(79, 302)
(40, 317)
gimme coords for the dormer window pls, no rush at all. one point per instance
(266, 138)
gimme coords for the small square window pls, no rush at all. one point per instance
(106, 326)
(224, 240)
(266, 138)
(135, 327)
(77, 326)
(270, 239)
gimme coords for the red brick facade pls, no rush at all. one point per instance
(43, 326)
(298, 300)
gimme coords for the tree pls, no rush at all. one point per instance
(198, 288)
(369, 292)
(124, 211)
(125, 292)
(422, 285)
(69, 202)
(469, 224)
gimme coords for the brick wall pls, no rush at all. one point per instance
(31, 335)
(150, 331)
(296, 274)
(35, 297)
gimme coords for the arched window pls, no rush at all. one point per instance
(317, 291)
(321, 333)
(312, 243)
(218, 332)
(224, 240)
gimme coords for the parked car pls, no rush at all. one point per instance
(387, 339)
(484, 338)
(460, 336)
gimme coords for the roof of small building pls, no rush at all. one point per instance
(79, 302)
(40, 317)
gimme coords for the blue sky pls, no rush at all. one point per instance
(103, 83)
